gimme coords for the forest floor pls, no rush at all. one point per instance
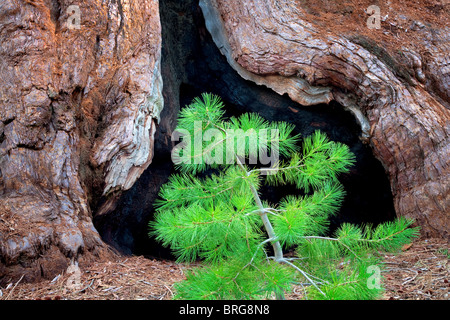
(419, 272)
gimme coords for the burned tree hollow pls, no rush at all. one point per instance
(192, 64)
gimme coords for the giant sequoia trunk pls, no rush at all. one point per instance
(79, 105)
(402, 106)
(80, 95)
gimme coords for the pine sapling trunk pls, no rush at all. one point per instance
(278, 251)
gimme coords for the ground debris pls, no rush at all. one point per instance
(420, 272)
(130, 278)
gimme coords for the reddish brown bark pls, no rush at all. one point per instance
(276, 43)
(78, 106)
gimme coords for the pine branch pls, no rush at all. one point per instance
(223, 220)
(304, 274)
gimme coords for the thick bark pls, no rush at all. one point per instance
(80, 94)
(79, 106)
(401, 110)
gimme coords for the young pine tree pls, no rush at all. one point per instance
(242, 239)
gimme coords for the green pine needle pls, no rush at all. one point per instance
(221, 219)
